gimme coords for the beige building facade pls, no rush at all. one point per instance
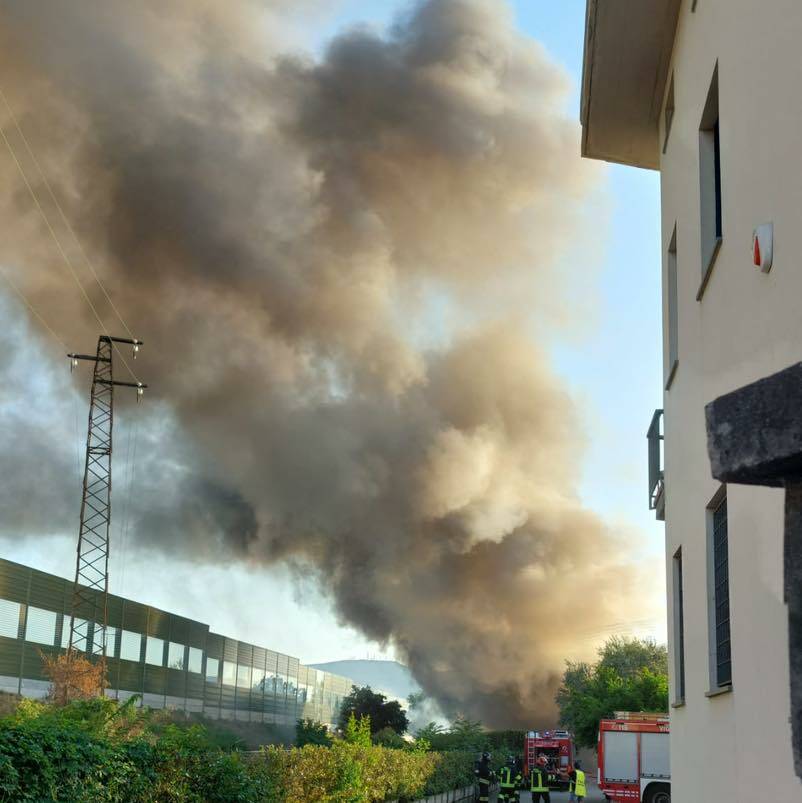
(709, 92)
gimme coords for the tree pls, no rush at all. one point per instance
(358, 733)
(630, 675)
(387, 737)
(383, 713)
(429, 732)
(308, 731)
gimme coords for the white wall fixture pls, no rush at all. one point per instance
(763, 247)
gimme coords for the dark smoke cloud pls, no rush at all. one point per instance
(315, 251)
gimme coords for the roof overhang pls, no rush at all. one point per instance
(628, 46)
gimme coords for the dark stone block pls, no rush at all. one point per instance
(754, 434)
(793, 598)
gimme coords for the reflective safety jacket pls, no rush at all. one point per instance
(538, 780)
(509, 778)
(578, 786)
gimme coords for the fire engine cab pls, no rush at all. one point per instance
(558, 749)
(634, 764)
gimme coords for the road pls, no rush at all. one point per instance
(594, 796)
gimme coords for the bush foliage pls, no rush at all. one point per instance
(99, 751)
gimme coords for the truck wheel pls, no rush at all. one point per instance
(657, 793)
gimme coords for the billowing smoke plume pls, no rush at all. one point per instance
(317, 252)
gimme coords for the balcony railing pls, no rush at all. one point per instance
(657, 496)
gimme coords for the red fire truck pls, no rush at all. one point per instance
(559, 751)
(634, 764)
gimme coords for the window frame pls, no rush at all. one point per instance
(123, 634)
(711, 219)
(672, 311)
(718, 683)
(54, 634)
(668, 112)
(206, 676)
(148, 640)
(678, 627)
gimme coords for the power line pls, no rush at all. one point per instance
(61, 250)
(67, 223)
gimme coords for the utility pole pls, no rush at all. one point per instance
(89, 614)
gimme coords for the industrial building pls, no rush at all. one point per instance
(706, 92)
(172, 662)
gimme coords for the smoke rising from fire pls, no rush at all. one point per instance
(337, 264)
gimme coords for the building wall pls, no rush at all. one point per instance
(746, 325)
(171, 661)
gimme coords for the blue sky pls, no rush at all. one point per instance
(612, 368)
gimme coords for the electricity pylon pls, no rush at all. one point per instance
(89, 612)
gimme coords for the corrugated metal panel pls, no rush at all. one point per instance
(245, 653)
(194, 685)
(231, 650)
(620, 757)
(180, 629)
(115, 610)
(176, 682)
(215, 645)
(130, 676)
(10, 655)
(14, 581)
(53, 595)
(158, 623)
(135, 617)
(655, 761)
(46, 591)
(155, 679)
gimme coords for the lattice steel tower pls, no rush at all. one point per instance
(89, 614)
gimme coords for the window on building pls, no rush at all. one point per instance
(212, 670)
(154, 651)
(243, 676)
(719, 593)
(679, 630)
(258, 680)
(672, 311)
(80, 626)
(98, 638)
(130, 645)
(710, 179)
(175, 655)
(229, 673)
(9, 618)
(40, 626)
(668, 114)
(195, 660)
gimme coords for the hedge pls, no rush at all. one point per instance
(100, 753)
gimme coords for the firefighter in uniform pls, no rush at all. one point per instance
(539, 782)
(509, 782)
(484, 775)
(577, 785)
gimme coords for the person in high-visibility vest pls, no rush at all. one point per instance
(577, 787)
(539, 782)
(509, 782)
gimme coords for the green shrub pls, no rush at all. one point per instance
(96, 751)
(308, 731)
